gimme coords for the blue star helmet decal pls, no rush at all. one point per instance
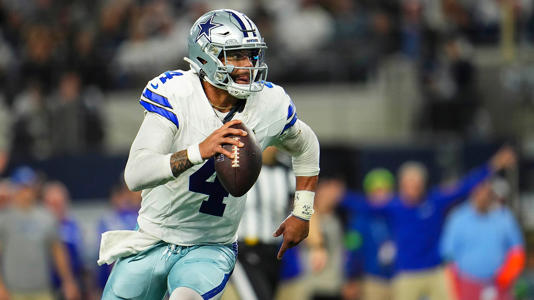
(206, 27)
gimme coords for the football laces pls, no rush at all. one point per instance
(235, 151)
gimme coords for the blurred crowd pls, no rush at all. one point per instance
(402, 239)
(43, 250)
(58, 58)
(397, 239)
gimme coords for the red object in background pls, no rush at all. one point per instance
(511, 269)
(466, 288)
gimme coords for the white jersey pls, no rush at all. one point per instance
(194, 208)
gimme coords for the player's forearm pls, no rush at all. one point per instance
(306, 183)
(146, 169)
(180, 162)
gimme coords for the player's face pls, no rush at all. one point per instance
(243, 58)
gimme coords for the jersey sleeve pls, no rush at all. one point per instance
(149, 160)
(295, 137)
(291, 116)
(155, 98)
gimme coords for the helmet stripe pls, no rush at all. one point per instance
(251, 24)
(243, 27)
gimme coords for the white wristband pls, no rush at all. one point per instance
(303, 204)
(193, 154)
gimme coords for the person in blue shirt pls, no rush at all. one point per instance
(56, 198)
(483, 242)
(125, 205)
(417, 216)
(369, 242)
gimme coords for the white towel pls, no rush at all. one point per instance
(120, 243)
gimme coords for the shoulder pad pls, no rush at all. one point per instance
(157, 94)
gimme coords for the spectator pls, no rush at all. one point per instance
(6, 193)
(40, 62)
(369, 241)
(29, 239)
(416, 217)
(450, 90)
(76, 124)
(31, 125)
(125, 204)
(5, 137)
(524, 288)
(484, 245)
(87, 60)
(57, 199)
(325, 253)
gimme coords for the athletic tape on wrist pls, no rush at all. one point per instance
(193, 154)
(303, 204)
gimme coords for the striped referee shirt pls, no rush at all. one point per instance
(267, 204)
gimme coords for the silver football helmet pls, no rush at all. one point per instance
(217, 35)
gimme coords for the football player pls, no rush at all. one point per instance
(186, 241)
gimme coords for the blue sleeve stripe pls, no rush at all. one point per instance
(160, 111)
(290, 124)
(159, 99)
(290, 110)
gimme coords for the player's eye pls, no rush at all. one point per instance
(253, 55)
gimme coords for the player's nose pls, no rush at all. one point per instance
(244, 62)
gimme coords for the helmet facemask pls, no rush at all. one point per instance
(257, 73)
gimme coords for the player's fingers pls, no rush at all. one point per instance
(279, 231)
(232, 141)
(283, 248)
(225, 152)
(233, 122)
(233, 131)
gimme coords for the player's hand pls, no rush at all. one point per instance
(70, 291)
(294, 231)
(4, 294)
(503, 159)
(213, 143)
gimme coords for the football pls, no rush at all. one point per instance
(239, 174)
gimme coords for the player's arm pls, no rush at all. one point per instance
(152, 162)
(300, 141)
